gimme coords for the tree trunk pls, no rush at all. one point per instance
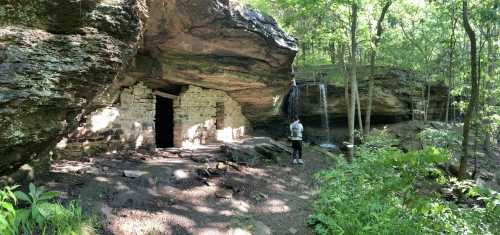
(341, 54)
(428, 101)
(450, 67)
(358, 106)
(489, 86)
(331, 51)
(373, 55)
(474, 98)
(354, 22)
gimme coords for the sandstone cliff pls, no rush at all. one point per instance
(60, 60)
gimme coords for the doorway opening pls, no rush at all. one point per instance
(219, 115)
(164, 122)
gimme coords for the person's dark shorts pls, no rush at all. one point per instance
(297, 149)
(297, 144)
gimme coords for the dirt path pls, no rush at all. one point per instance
(171, 197)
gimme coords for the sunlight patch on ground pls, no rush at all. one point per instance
(204, 209)
(142, 222)
(275, 206)
(226, 213)
(240, 205)
(101, 179)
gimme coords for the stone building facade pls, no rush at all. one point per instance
(200, 116)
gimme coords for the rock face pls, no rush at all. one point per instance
(61, 60)
(215, 45)
(48, 81)
(397, 94)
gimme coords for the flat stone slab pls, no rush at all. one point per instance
(134, 174)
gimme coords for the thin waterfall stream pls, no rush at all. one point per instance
(325, 121)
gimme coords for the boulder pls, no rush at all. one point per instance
(47, 83)
(55, 68)
(254, 150)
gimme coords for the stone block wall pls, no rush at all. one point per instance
(195, 117)
(128, 124)
(137, 117)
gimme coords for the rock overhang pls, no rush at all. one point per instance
(210, 44)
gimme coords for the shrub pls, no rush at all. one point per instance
(379, 194)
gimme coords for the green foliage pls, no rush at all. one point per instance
(440, 138)
(34, 213)
(384, 192)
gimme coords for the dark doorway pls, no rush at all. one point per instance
(219, 115)
(164, 122)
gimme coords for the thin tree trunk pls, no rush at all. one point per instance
(354, 9)
(476, 140)
(373, 55)
(358, 104)
(450, 66)
(474, 93)
(489, 86)
(425, 96)
(347, 76)
(428, 101)
(331, 51)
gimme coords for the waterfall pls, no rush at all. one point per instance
(325, 121)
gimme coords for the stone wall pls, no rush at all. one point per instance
(136, 122)
(128, 124)
(202, 116)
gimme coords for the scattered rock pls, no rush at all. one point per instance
(261, 229)
(233, 181)
(233, 165)
(224, 193)
(173, 150)
(200, 159)
(254, 150)
(105, 168)
(185, 155)
(133, 173)
(221, 166)
(259, 196)
(92, 171)
(203, 172)
(292, 230)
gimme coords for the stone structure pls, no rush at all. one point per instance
(137, 113)
(127, 124)
(200, 116)
(205, 115)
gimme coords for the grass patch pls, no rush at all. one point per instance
(36, 213)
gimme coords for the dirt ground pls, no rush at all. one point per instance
(171, 194)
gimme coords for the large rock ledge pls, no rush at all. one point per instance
(61, 60)
(46, 82)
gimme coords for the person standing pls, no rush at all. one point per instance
(296, 130)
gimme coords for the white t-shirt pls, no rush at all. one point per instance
(299, 129)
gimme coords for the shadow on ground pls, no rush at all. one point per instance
(171, 196)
